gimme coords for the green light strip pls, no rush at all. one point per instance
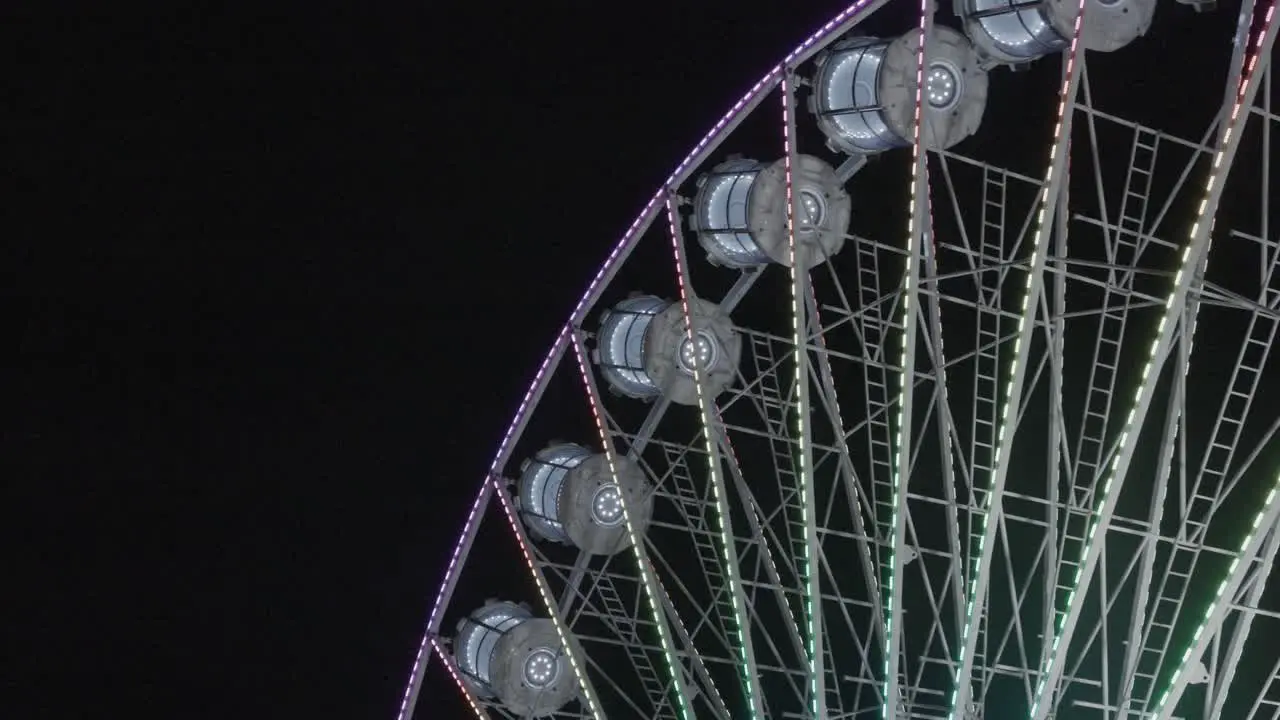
(808, 495)
(910, 317)
(647, 574)
(1215, 175)
(746, 659)
(1039, 251)
(1226, 588)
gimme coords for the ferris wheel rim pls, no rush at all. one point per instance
(563, 341)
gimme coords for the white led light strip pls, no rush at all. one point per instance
(1137, 635)
(549, 601)
(742, 629)
(980, 575)
(1195, 250)
(910, 316)
(808, 504)
(462, 684)
(1267, 517)
(648, 577)
(1262, 522)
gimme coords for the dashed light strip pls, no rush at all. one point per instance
(437, 606)
(647, 576)
(808, 495)
(548, 600)
(428, 636)
(1004, 445)
(919, 173)
(619, 251)
(1169, 699)
(462, 684)
(1128, 428)
(1195, 321)
(751, 683)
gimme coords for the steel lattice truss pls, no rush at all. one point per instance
(1018, 430)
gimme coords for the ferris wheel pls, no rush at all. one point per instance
(951, 397)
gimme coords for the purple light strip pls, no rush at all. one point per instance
(646, 216)
(438, 605)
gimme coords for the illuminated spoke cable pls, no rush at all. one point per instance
(988, 517)
(647, 575)
(1193, 255)
(589, 697)
(917, 231)
(1138, 631)
(1264, 521)
(410, 697)
(467, 695)
(808, 505)
(729, 552)
(930, 263)
(1267, 518)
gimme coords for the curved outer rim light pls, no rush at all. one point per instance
(846, 18)
(462, 685)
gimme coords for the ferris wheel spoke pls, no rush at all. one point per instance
(1247, 614)
(918, 233)
(1193, 261)
(854, 499)
(678, 600)
(738, 609)
(803, 432)
(1131, 241)
(1124, 236)
(947, 435)
(1047, 204)
(1270, 694)
(567, 644)
(649, 579)
(767, 585)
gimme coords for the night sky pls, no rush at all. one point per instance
(282, 282)
(287, 279)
